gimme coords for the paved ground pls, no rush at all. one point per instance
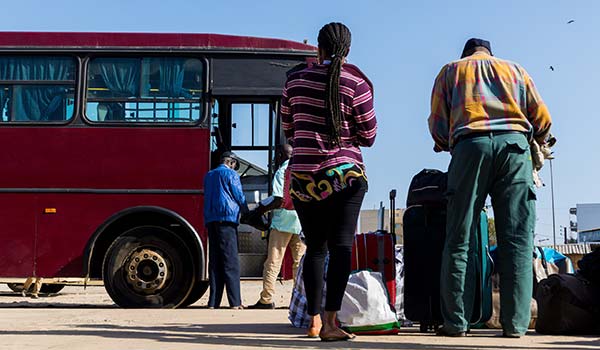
(77, 319)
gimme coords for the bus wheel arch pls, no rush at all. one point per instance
(171, 224)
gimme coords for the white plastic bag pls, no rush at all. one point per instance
(365, 307)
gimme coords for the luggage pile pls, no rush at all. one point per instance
(570, 303)
(546, 262)
(424, 236)
(393, 284)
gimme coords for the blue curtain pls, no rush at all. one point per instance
(36, 68)
(121, 75)
(172, 71)
(39, 103)
(3, 96)
(36, 102)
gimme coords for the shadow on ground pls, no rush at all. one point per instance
(277, 335)
(47, 301)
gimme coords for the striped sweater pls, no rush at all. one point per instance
(303, 116)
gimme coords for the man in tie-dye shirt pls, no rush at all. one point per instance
(484, 110)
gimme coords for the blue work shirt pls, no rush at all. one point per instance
(223, 195)
(283, 220)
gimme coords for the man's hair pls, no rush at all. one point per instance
(334, 39)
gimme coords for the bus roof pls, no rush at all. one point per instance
(89, 40)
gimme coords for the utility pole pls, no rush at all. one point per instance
(553, 214)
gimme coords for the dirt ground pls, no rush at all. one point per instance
(87, 319)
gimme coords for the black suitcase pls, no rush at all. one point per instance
(424, 236)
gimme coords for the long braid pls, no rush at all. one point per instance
(334, 38)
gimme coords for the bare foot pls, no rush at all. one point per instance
(315, 327)
(335, 334)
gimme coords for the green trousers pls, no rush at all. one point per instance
(499, 165)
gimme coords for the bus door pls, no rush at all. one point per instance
(248, 127)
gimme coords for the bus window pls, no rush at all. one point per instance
(149, 90)
(36, 88)
(250, 132)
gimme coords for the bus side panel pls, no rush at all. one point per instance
(64, 166)
(63, 236)
(130, 157)
(17, 234)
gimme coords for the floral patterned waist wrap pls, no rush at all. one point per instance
(318, 186)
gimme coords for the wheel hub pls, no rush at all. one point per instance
(147, 271)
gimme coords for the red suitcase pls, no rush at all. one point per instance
(376, 251)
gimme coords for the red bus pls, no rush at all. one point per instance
(108, 137)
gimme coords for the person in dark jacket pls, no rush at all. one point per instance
(223, 202)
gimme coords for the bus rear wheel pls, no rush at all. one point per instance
(149, 267)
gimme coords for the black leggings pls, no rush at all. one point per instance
(329, 225)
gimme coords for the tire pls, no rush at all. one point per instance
(197, 292)
(51, 288)
(15, 287)
(149, 267)
(45, 289)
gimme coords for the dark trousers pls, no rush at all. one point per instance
(329, 225)
(223, 263)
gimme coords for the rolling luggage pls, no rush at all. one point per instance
(424, 236)
(376, 251)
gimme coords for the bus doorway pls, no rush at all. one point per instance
(250, 128)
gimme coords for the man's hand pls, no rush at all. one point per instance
(269, 204)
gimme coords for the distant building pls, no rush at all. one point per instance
(576, 251)
(369, 221)
(588, 236)
(587, 224)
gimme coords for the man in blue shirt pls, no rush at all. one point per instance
(285, 229)
(223, 201)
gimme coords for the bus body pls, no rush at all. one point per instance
(107, 139)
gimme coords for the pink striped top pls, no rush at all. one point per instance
(303, 119)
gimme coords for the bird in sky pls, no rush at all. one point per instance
(571, 21)
(552, 68)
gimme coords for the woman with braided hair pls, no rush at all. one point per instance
(327, 113)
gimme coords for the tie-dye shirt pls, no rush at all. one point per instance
(481, 93)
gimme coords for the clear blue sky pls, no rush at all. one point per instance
(400, 45)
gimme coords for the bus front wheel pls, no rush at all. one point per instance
(197, 292)
(148, 267)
